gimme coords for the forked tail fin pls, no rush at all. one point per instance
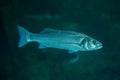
(24, 36)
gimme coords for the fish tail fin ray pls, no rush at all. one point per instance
(24, 36)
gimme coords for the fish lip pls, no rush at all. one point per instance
(100, 46)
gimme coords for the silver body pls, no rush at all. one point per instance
(69, 40)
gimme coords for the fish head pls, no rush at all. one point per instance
(94, 44)
(88, 44)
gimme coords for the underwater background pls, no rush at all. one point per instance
(97, 18)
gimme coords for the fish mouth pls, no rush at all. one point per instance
(99, 46)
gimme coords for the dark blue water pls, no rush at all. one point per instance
(99, 19)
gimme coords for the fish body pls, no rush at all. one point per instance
(69, 40)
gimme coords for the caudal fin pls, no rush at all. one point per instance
(24, 36)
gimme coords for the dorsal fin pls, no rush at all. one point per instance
(48, 30)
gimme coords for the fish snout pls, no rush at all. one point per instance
(99, 45)
(94, 45)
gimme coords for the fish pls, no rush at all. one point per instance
(60, 39)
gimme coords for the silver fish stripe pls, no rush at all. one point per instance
(69, 40)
